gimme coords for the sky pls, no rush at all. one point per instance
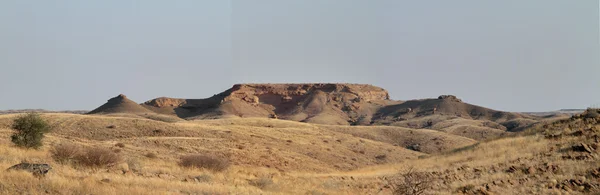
(512, 55)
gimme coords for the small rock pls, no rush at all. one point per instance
(202, 178)
(582, 147)
(36, 169)
(530, 170)
(512, 169)
(165, 176)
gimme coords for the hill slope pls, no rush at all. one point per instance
(258, 142)
(315, 103)
(337, 104)
(559, 157)
(120, 104)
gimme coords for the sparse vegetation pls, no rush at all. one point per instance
(556, 158)
(134, 165)
(30, 129)
(204, 178)
(65, 153)
(411, 183)
(97, 157)
(204, 161)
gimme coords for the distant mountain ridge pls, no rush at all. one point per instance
(565, 112)
(42, 111)
(324, 103)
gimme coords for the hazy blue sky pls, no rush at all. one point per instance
(513, 55)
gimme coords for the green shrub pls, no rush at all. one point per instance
(30, 129)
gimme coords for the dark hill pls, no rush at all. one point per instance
(120, 104)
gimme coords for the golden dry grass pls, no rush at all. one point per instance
(252, 144)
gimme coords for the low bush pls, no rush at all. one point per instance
(65, 153)
(98, 157)
(411, 183)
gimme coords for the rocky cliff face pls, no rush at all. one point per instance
(162, 102)
(287, 92)
(325, 103)
(300, 102)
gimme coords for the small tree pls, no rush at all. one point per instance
(30, 129)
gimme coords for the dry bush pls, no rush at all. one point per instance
(98, 157)
(204, 161)
(65, 153)
(411, 183)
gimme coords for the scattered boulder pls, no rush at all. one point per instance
(512, 169)
(581, 147)
(530, 170)
(36, 169)
(286, 98)
(415, 147)
(165, 176)
(157, 131)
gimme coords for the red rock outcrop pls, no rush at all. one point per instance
(340, 103)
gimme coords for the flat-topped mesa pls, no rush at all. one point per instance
(286, 90)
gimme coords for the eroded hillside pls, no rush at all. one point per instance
(334, 104)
